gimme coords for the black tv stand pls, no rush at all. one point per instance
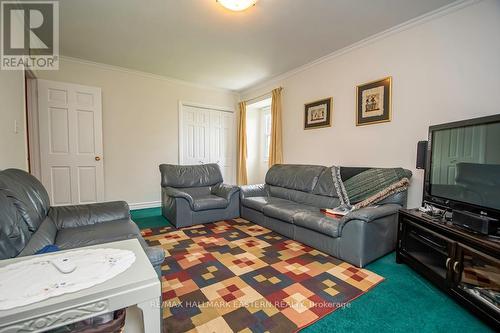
(463, 264)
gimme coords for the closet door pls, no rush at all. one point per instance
(208, 136)
(222, 143)
(195, 136)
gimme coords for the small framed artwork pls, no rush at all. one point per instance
(318, 114)
(373, 102)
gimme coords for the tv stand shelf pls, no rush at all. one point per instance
(463, 264)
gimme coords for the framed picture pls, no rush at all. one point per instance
(318, 114)
(373, 102)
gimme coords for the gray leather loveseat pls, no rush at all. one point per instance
(28, 223)
(290, 201)
(195, 194)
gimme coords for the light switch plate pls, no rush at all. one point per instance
(16, 126)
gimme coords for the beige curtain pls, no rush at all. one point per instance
(242, 145)
(276, 146)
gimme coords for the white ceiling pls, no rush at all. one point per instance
(200, 42)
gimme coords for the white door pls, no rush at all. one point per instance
(207, 136)
(196, 135)
(222, 140)
(70, 127)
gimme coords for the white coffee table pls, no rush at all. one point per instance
(139, 285)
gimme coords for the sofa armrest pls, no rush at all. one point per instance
(372, 213)
(224, 190)
(156, 255)
(176, 193)
(80, 215)
(248, 191)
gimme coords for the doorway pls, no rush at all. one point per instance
(65, 140)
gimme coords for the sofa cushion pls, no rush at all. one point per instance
(325, 185)
(209, 202)
(325, 182)
(106, 232)
(349, 172)
(80, 215)
(14, 233)
(319, 222)
(320, 201)
(44, 236)
(99, 233)
(258, 203)
(28, 195)
(190, 175)
(296, 177)
(286, 210)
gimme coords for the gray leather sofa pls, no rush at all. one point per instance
(195, 194)
(28, 223)
(290, 201)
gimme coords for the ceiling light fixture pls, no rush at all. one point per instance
(237, 5)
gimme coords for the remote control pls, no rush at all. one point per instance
(63, 265)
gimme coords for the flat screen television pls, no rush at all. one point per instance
(463, 166)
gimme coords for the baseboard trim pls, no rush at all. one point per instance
(144, 205)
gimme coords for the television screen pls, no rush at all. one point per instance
(465, 164)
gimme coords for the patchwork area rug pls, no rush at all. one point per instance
(236, 276)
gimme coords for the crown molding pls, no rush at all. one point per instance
(432, 15)
(145, 74)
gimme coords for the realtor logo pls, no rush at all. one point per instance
(30, 35)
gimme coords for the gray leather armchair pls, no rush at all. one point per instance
(195, 194)
(28, 223)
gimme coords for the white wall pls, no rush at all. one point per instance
(12, 145)
(445, 69)
(140, 123)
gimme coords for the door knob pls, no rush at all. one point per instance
(97, 158)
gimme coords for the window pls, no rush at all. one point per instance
(267, 132)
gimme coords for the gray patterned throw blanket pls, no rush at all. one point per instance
(370, 186)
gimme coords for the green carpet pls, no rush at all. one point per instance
(149, 218)
(404, 302)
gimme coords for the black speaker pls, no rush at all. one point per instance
(421, 154)
(478, 223)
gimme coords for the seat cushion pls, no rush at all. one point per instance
(319, 222)
(258, 203)
(285, 211)
(98, 233)
(209, 202)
